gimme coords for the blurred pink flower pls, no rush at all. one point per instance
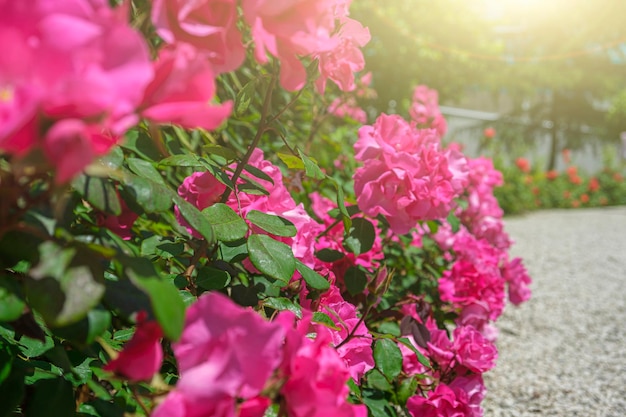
(472, 391)
(226, 350)
(288, 29)
(183, 86)
(142, 356)
(425, 111)
(518, 281)
(208, 25)
(340, 63)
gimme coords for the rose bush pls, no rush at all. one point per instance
(191, 227)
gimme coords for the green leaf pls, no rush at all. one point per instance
(355, 279)
(210, 278)
(361, 236)
(283, 303)
(167, 305)
(65, 285)
(51, 398)
(145, 170)
(184, 160)
(11, 384)
(292, 161)
(99, 192)
(245, 97)
(377, 402)
(126, 298)
(313, 279)
(388, 358)
(273, 258)
(11, 302)
(86, 330)
(222, 151)
(375, 379)
(149, 195)
(341, 204)
(234, 251)
(142, 144)
(258, 173)
(195, 218)
(420, 357)
(329, 255)
(273, 224)
(227, 225)
(311, 168)
(407, 389)
(325, 319)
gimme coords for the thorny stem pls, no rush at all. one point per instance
(197, 254)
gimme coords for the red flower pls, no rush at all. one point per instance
(584, 198)
(489, 132)
(523, 164)
(594, 184)
(142, 355)
(552, 175)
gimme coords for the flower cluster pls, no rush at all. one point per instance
(406, 176)
(232, 362)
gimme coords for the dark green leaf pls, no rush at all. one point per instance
(407, 389)
(258, 173)
(145, 170)
(377, 402)
(420, 357)
(140, 143)
(51, 398)
(234, 251)
(11, 384)
(388, 358)
(149, 195)
(167, 305)
(283, 303)
(311, 168)
(355, 279)
(375, 379)
(329, 255)
(250, 186)
(273, 258)
(210, 278)
(273, 224)
(126, 298)
(361, 236)
(195, 218)
(313, 279)
(227, 225)
(99, 192)
(86, 330)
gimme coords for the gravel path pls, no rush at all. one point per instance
(563, 353)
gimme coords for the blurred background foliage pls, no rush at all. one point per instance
(553, 69)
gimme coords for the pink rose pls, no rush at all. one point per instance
(442, 402)
(473, 351)
(142, 355)
(288, 29)
(183, 86)
(208, 25)
(226, 350)
(120, 225)
(316, 377)
(472, 389)
(357, 352)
